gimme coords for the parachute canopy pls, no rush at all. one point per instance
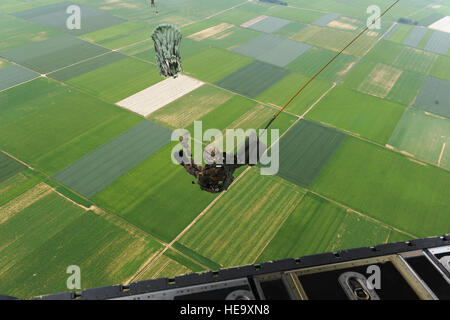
(167, 39)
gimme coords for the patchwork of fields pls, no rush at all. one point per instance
(86, 175)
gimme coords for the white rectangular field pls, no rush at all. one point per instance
(441, 25)
(159, 95)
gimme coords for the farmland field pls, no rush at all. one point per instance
(381, 184)
(130, 196)
(364, 115)
(225, 230)
(52, 54)
(439, 69)
(415, 60)
(280, 92)
(9, 167)
(87, 170)
(318, 225)
(56, 108)
(423, 135)
(113, 82)
(184, 111)
(253, 79)
(305, 151)
(58, 233)
(204, 65)
(434, 97)
(100, 168)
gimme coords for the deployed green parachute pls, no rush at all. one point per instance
(167, 39)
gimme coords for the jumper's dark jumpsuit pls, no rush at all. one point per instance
(214, 177)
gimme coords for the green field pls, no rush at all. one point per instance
(415, 60)
(86, 66)
(305, 150)
(204, 65)
(120, 35)
(401, 33)
(98, 169)
(364, 149)
(16, 32)
(333, 39)
(440, 68)
(118, 80)
(364, 115)
(182, 112)
(387, 186)
(282, 91)
(434, 97)
(164, 187)
(234, 235)
(57, 234)
(314, 59)
(407, 87)
(253, 79)
(55, 16)
(29, 121)
(15, 75)
(423, 135)
(16, 185)
(309, 229)
(317, 225)
(52, 54)
(9, 167)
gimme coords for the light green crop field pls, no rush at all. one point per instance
(424, 135)
(407, 87)
(120, 35)
(369, 163)
(333, 39)
(139, 189)
(400, 33)
(385, 52)
(314, 59)
(16, 32)
(281, 92)
(388, 186)
(318, 225)
(415, 60)
(165, 267)
(119, 80)
(441, 67)
(309, 229)
(229, 38)
(233, 235)
(242, 14)
(42, 115)
(364, 115)
(204, 65)
(57, 233)
(9, 167)
(182, 112)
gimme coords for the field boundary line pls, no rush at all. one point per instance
(388, 236)
(360, 213)
(19, 84)
(104, 211)
(18, 160)
(168, 246)
(72, 201)
(441, 154)
(278, 229)
(189, 258)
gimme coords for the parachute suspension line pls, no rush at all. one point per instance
(325, 66)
